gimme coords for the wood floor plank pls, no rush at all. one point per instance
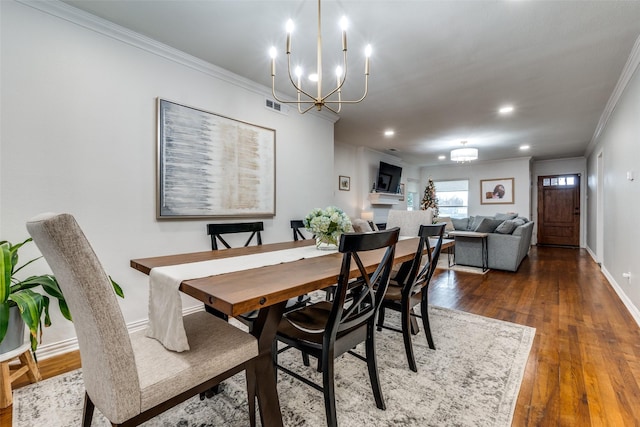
(584, 365)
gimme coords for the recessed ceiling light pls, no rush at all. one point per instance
(524, 147)
(389, 132)
(506, 109)
(441, 157)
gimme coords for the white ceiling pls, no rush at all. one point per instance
(439, 69)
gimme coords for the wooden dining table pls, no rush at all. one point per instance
(267, 289)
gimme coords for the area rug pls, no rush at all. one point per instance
(443, 264)
(472, 379)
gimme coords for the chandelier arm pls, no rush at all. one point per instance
(298, 88)
(331, 109)
(273, 90)
(344, 78)
(307, 109)
(366, 89)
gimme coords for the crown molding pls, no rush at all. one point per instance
(625, 77)
(109, 29)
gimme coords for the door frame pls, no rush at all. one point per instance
(572, 166)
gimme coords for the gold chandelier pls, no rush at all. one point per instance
(319, 100)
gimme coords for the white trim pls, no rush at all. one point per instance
(109, 29)
(627, 72)
(61, 347)
(633, 310)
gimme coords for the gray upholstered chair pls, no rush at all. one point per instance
(131, 378)
(409, 221)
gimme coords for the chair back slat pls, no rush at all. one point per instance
(420, 273)
(217, 230)
(296, 225)
(366, 291)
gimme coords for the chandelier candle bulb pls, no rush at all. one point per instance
(289, 31)
(367, 54)
(273, 54)
(343, 24)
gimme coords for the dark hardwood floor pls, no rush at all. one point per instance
(584, 367)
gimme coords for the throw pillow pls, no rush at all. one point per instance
(523, 219)
(506, 216)
(360, 225)
(488, 225)
(460, 223)
(506, 227)
(447, 220)
(474, 221)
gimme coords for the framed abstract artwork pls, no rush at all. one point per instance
(496, 191)
(209, 165)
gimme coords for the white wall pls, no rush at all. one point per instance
(619, 144)
(519, 169)
(78, 135)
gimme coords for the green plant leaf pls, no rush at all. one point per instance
(5, 271)
(4, 319)
(31, 305)
(116, 288)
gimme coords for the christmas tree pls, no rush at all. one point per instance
(429, 200)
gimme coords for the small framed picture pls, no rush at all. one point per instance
(402, 192)
(344, 183)
(496, 191)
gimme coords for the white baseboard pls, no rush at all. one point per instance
(633, 310)
(61, 347)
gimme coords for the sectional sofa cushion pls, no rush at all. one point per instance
(505, 216)
(506, 227)
(460, 223)
(474, 221)
(488, 225)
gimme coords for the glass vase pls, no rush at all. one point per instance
(326, 243)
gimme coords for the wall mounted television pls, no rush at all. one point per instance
(388, 178)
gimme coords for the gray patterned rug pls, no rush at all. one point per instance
(472, 379)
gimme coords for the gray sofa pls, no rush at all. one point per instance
(508, 241)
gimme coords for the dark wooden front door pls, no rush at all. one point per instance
(559, 210)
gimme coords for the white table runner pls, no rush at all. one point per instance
(165, 303)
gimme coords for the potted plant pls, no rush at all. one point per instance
(18, 299)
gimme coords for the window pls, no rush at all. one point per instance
(410, 198)
(453, 198)
(560, 181)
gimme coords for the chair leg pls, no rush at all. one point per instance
(406, 334)
(305, 359)
(414, 324)
(424, 310)
(251, 393)
(328, 388)
(87, 411)
(380, 318)
(373, 367)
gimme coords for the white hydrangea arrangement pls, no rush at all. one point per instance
(327, 224)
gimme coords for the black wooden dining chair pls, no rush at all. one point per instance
(410, 287)
(327, 329)
(217, 230)
(296, 226)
